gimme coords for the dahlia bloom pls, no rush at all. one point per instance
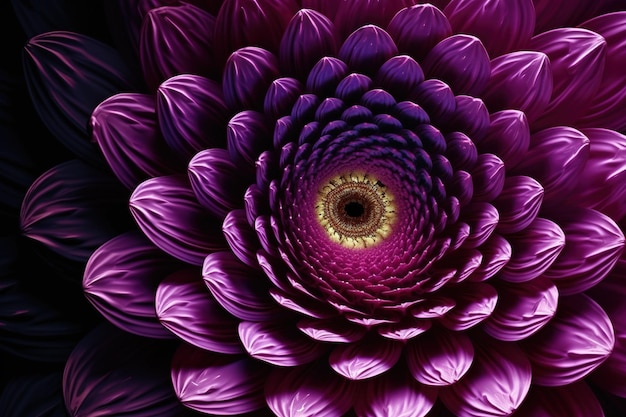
(360, 207)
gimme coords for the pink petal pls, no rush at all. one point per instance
(522, 310)
(508, 136)
(366, 358)
(440, 358)
(186, 308)
(518, 204)
(503, 25)
(308, 391)
(474, 303)
(331, 330)
(496, 384)
(574, 343)
(367, 49)
(167, 212)
(370, 12)
(218, 384)
(573, 400)
(120, 281)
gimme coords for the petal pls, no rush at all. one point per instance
(461, 151)
(370, 12)
(120, 281)
(437, 99)
(73, 208)
(217, 384)
(167, 212)
(534, 249)
(331, 330)
(462, 62)
(279, 344)
(241, 238)
(522, 310)
(563, 13)
(308, 391)
(176, 40)
(573, 400)
(281, 96)
(474, 303)
(502, 25)
(125, 128)
(325, 76)
(440, 357)
(593, 244)
(365, 358)
(496, 384)
(367, 48)
(121, 373)
(488, 177)
(482, 219)
(575, 342)
(400, 76)
(508, 136)
(247, 135)
(68, 75)
(518, 204)
(470, 117)
(577, 59)
(192, 114)
(496, 253)
(33, 396)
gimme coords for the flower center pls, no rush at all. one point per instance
(355, 209)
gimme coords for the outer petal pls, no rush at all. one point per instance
(366, 49)
(573, 400)
(496, 384)
(518, 204)
(366, 358)
(121, 279)
(563, 13)
(575, 342)
(218, 384)
(167, 212)
(372, 12)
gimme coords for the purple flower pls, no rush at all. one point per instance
(366, 207)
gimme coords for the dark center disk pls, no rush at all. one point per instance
(354, 209)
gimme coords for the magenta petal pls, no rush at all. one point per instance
(176, 40)
(281, 96)
(218, 384)
(574, 343)
(474, 303)
(503, 25)
(440, 358)
(367, 49)
(496, 252)
(534, 249)
(462, 62)
(365, 358)
(496, 384)
(394, 394)
(488, 177)
(508, 136)
(125, 128)
(121, 280)
(247, 137)
(242, 239)
(522, 310)
(308, 391)
(563, 13)
(573, 400)
(167, 212)
(192, 114)
(279, 343)
(482, 219)
(593, 244)
(518, 204)
(577, 59)
(331, 330)
(400, 76)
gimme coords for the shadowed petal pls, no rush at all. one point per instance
(167, 212)
(461, 151)
(248, 135)
(325, 76)
(365, 358)
(400, 76)
(470, 117)
(496, 384)
(37, 395)
(563, 13)
(308, 391)
(482, 219)
(67, 76)
(121, 373)
(353, 14)
(242, 239)
(120, 281)
(437, 99)
(218, 384)
(488, 177)
(281, 96)
(367, 48)
(574, 343)
(573, 400)
(518, 204)
(496, 253)
(508, 136)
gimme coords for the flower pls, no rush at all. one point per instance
(378, 208)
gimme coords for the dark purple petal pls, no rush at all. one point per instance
(573, 400)
(354, 14)
(367, 49)
(73, 208)
(176, 40)
(241, 237)
(121, 280)
(518, 204)
(470, 117)
(36, 395)
(125, 128)
(218, 384)
(488, 177)
(574, 343)
(192, 114)
(482, 219)
(437, 99)
(248, 135)
(400, 76)
(167, 212)
(121, 373)
(67, 76)
(365, 358)
(508, 136)
(496, 252)
(503, 25)
(563, 13)
(281, 96)
(327, 8)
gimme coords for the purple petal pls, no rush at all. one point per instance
(247, 137)
(534, 249)
(574, 343)
(125, 128)
(400, 76)
(482, 219)
(503, 25)
(522, 310)
(218, 384)
(496, 384)
(308, 391)
(518, 204)
(417, 29)
(176, 40)
(573, 400)
(331, 330)
(192, 114)
(470, 117)
(279, 344)
(563, 13)
(488, 177)
(496, 253)
(365, 358)
(474, 303)
(462, 62)
(404, 330)
(440, 358)
(367, 49)
(577, 59)
(167, 212)
(325, 76)
(329, 9)
(281, 96)
(121, 280)
(508, 136)
(593, 244)
(437, 99)
(354, 14)
(242, 239)
(73, 208)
